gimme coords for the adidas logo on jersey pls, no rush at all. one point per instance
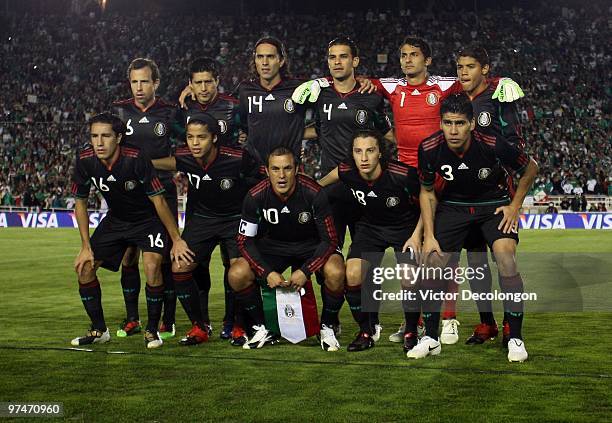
(416, 92)
(463, 166)
(111, 179)
(285, 210)
(342, 106)
(372, 194)
(269, 97)
(143, 120)
(206, 178)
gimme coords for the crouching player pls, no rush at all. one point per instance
(219, 178)
(137, 216)
(387, 192)
(286, 222)
(475, 196)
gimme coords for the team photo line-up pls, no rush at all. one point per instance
(449, 173)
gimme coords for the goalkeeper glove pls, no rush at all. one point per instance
(309, 90)
(507, 91)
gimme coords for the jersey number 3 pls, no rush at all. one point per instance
(448, 172)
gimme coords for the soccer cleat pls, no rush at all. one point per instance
(226, 331)
(93, 336)
(426, 346)
(167, 331)
(328, 339)
(195, 336)
(506, 334)
(337, 329)
(398, 336)
(482, 332)
(410, 341)
(516, 351)
(259, 338)
(362, 342)
(152, 339)
(377, 331)
(239, 337)
(450, 332)
(128, 327)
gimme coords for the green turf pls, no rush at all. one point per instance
(567, 378)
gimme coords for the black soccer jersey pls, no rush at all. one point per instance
(126, 184)
(225, 109)
(477, 177)
(497, 119)
(218, 189)
(390, 200)
(300, 226)
(339, 115)
(270, 118)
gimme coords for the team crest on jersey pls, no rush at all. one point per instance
(392, 201)
(431, 99)
(484, 173)
(361, 117)
(484, 119)
(226, 184)
(159, 129)
(289, 106)
(130, 185)
(304, 217)
(222, 126)
(289, 311)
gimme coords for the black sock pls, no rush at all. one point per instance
(249, 300)
(202, 278)
(155, 302)
(482, 286)
(169, 295)
(332, 303)
(431, 306)
(412, 311)
(353, 298)
(513, 310)
(230, 304)
(130, 284)
(91, 296)
(187, 293)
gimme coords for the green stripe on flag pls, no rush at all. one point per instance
(269, 304)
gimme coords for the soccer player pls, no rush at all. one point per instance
(286, 222)
(217, 186)
(474, 195)
(203, 84)
(138, 214)
(150, 122)
(387, 192)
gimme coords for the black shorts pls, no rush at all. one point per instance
(375, 239)
(344, 208)
(113, 236)
(203, 234)
(454, 225)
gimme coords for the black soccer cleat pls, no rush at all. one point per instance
(410, 341)
(362, 342)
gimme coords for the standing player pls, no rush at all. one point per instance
(150, 122)
(387, 192)
(474, 195)
(286, 222)
(137, 215)
(217, 187)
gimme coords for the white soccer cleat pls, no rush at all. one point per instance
(93, 336)
(516, 351)
(398, 336)
(152, 339)
(450, 332)
(328, 339)
(426, 346)
(377, 331)
(259, 339)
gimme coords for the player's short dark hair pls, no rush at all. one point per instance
(204, 64)
(140, 63)
(383, 145)
(280, 151)
(280, 49)
(343, 40)
(200, 118)
(110, 119)
(477, 52)
(459, 104)
(418, 42)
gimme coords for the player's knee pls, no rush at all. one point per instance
(334, 272)
(130, 258)
(87, 275)
(183, 267)
(353, 275)
(239, 275)
(152, 269)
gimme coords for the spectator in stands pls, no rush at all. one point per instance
(565, 204)
(551, 209)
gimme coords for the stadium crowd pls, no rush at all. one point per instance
(56, 71)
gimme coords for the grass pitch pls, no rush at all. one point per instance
(568, 376)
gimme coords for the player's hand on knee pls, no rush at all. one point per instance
(366, 85)
(298, 280)
(413, 246)
(187, 91)
(181, 253)
(509, 223)
(430, 247)
(85, 256)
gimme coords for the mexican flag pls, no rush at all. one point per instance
(291, 314)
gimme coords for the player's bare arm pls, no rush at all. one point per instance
(86, 254)
(187, 92)
(511, 212)
(331, 178)
(165, 163)
(427, 198)
(415, 242)
(180, 251)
